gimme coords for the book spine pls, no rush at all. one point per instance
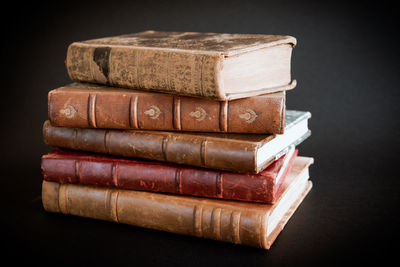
(160, 178)
(176, 72)
(176, 214)
(152, 111)
(181, 149)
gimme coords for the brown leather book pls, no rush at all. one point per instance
(246, 153)
(94, 106)
(212, 65)
(98, 170)
(244, 223)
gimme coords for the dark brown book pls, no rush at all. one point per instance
(93, 106)
(245, 223)
(211, 65)
(98, 170)
(246, 153)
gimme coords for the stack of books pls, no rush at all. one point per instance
(180, 132)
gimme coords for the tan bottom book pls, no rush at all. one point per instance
(244, 223)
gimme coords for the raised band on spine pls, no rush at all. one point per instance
(92, 110)
(219, 185)
(164, 147)
(216, 223)
(177, 113)
(203, 151)
(235, 227)
(77, 171)
(133, 116)
(223, 116)
(114, 173)
(62, 198)
(178, 181)
(197, 219)
(107, 139)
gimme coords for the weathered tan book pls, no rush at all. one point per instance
(213, 65)
(244, 223)
(246, 153)
(91, 106)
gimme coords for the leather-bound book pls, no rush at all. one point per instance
(211, 65)
(246, 153)
(97, 170)
(245, 223)
(93, 106)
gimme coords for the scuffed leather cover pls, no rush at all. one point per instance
(231, 152)
(93, 106)
(220, 151)
(182, 63)
(237, 222)
(98, 170)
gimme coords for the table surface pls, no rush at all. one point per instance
(346, 65)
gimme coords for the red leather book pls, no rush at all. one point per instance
(106, 171)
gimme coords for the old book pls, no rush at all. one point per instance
(244, 223)
(97, 170)
(93, 106)
(232, 152)
(213, 65)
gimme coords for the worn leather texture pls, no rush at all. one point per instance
(92, 106)
(228, 44)
(98, 170)
(230, 152)
(237, 222)
(178, 63)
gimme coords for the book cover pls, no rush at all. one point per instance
(98, 170)
(246, 153)
(94, 106)
(212, 65)
(245, 223)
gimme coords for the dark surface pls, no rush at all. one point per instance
(347, 67)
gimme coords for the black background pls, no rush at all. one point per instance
(347, 67)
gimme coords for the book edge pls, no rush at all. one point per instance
(278, 229)
(284, 39)
(289, 86)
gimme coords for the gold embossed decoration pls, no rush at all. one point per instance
(69, 111)
(200, 114)
(249, 116)
(154, 112)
